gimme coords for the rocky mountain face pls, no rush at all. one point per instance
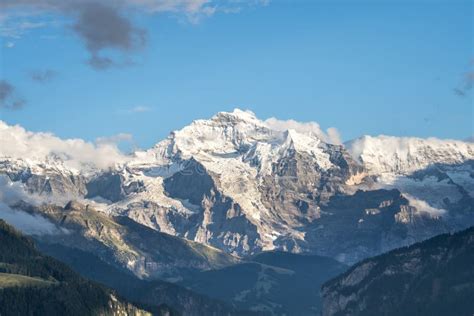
(244, 185)
(369, 222)
(34, 284)
(434, 277)
(48, 178)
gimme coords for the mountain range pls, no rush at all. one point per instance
(234, 195)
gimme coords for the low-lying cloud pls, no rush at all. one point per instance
(32, 224)
(76, 153)
(422, 206)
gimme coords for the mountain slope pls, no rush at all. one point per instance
(125, 243)
(434, 277)
(275, 282)
(33, 284)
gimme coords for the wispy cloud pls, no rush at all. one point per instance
(42, 76)
(14, 29)
(8, 96)
(467, 82)
(140, 109)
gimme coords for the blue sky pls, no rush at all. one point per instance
(364, 67)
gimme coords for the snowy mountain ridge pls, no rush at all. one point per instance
(231, 133)
(245, 185)
(403, 155)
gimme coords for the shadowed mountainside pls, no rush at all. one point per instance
(433, 277)
(34, 284)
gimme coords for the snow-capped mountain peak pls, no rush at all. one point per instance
(237, 115)
(236, 133)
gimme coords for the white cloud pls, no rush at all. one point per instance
(31, 224)
(331, 135)
(334, 136)
(422, 206)
(115, 139)
(9, 44)
(13, 192)
(14, 29)
(77, 153)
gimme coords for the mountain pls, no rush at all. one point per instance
(244, 185)
(433, 277)
(34, 284)
(279, 283)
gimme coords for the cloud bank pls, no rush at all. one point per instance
(76, 153)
